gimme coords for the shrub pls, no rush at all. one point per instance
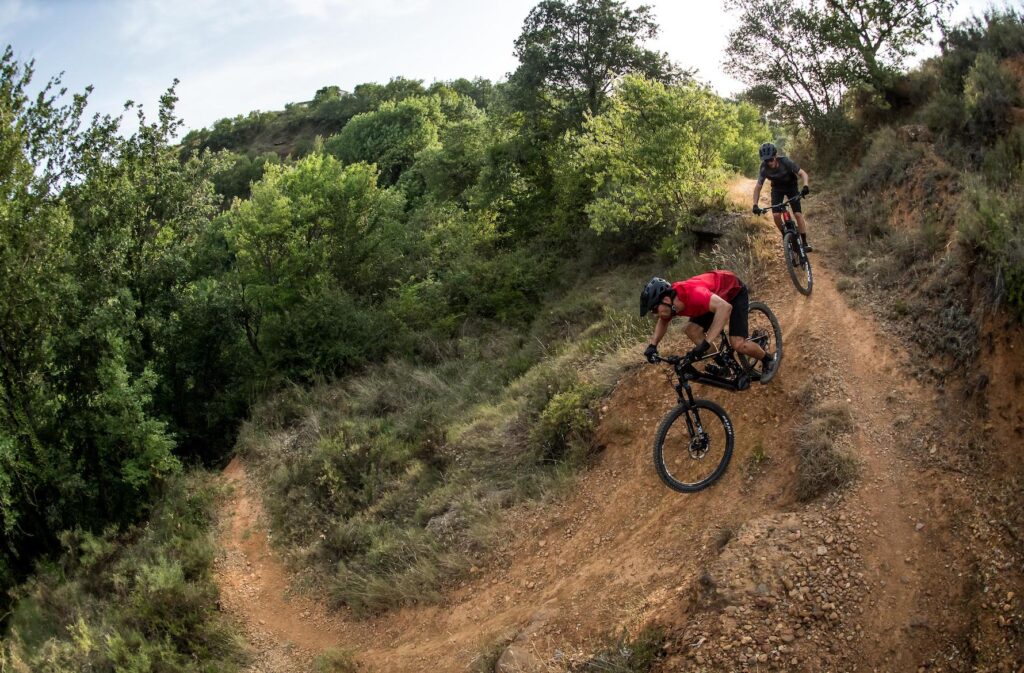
(137, 600)
(990, 93)
(335, 661)
(992, 231)
(566, 427)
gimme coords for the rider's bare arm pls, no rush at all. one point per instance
(722, 310)
(757, 191)
(659, 330)
(803, 177)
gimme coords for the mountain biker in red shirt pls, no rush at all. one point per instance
(709, 300)
(782, 173)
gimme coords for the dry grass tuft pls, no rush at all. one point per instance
(823, 466)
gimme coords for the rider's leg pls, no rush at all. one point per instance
(739, 328)
(695, 332)
(800, 225)
(748, 348)
(778, 221)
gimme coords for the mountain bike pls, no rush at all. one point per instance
(692, 454)
(797, 263)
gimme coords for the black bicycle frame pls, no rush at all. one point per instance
(687, 373)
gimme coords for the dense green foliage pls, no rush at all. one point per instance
(134, 600)
(660, 152)
(89, 292)
(429, 237)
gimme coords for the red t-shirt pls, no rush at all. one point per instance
(695, 293)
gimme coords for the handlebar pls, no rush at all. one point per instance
(781, 203)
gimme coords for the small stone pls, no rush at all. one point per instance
(822, 550)
(919, 526)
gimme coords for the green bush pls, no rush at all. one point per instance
(566, 426)
(138, 601)
(335, 661)
(990, 94)
(944, 113)
(992, 230)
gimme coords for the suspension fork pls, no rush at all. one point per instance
(693, 428)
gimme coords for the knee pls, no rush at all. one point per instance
(737, 343)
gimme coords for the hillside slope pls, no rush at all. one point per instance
(895, 573)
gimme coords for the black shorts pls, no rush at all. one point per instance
(786, 190)
(737, 319)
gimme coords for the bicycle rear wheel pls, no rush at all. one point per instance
(765, 331)
(797, 263)
(693, 446)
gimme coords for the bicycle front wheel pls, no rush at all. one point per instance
(797, 263)
(764, 330)
(693, 446)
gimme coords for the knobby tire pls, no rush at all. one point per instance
(713, 417)
(801, 271)
(758, 314)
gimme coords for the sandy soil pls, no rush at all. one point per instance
(885, 576)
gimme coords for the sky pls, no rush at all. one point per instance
(243, 55)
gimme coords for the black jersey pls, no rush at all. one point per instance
(785, 172)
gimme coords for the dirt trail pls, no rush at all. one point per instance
(870, 566)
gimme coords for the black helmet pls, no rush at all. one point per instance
(653, 293)
(767, 151)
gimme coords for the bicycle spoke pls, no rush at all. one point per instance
(692, 452)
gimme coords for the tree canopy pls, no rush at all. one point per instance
(810, 52)
(575, 50)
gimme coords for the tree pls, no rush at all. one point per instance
(879, 34)
(781, 46)
(389, 137)
(316, 248)
(575, 50)
(654, 154)
(93, 227)
(810, 52)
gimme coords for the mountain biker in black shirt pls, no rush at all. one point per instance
(783, 173)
